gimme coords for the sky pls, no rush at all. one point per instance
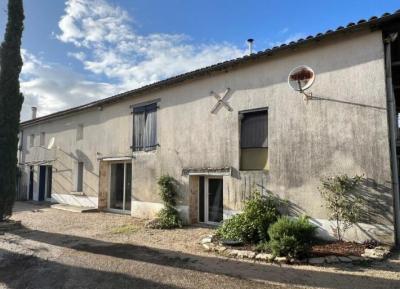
(78, 51)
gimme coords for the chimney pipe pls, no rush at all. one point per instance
(250, 43)
(34, 111)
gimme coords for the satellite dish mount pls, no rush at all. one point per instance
(300, 79)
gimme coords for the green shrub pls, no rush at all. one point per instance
(251, 226)
(167, 190)
(291, 237)
(168, 217)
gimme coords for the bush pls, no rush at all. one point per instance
(344, 206)
(291, 237)
(251, 226)
(168, 217)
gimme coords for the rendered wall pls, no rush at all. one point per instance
(342, 130)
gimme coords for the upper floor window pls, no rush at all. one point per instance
(79, 132)
(145, 127)
(31, 140)
(42, 138)
(254, 140)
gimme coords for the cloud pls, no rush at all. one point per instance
(107, 44)
(288, 39)
(52, 87)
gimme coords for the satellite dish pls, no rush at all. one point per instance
(300, 79)
(51, 143)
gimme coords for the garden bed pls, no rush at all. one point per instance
(338, 249)
(323, 253)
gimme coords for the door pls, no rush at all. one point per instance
(42, 182)
(49, 180)
(120, 187)
(30, 196)
(211, 200)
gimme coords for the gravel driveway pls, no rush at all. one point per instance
(59, 249)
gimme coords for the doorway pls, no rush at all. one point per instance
(211, 200)
(120, 187)
(45, 182)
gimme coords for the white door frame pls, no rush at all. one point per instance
(123, 211)
(206, 197)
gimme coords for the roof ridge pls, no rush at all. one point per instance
(373, 20)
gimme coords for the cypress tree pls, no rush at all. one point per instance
(10, 105)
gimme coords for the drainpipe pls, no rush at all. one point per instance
(392, 133)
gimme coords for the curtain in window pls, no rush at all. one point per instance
(145, 127)
(150, 129)
(139, 120)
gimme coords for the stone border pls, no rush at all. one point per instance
(378, 253)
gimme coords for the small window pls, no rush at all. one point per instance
(31, 140)
(79, 132)
(145, 127)
(254, 140)
(79, 177)
(42, 138)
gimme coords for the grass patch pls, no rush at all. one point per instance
(125, 229)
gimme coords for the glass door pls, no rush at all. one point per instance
(213, 200)
(120, 186)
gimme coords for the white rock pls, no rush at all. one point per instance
(232, 253)
(280, 259)
(206, 240)
(220, 249)
(377, 253)
(246, 254)
(264, 257)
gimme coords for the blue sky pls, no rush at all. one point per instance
(78, 51)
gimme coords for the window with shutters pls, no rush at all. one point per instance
(254, 140)
(145, 127)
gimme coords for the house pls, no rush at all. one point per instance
(227, 130)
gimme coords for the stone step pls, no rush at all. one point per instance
(75, 209)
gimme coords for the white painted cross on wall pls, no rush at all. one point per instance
(221, 101)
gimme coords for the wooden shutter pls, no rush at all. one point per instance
(254, 130)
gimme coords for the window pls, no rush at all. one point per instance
(32, 140)
(42, 138)
(79, 132)
(254, 140)
(145, 127)
(79, 177)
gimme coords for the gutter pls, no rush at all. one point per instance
(392, 133)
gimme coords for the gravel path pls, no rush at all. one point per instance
(59, 249)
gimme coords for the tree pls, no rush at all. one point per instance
(10, 105)
(343, 204)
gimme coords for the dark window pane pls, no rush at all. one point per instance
(215, 206)
(201, 199)
(254, 130)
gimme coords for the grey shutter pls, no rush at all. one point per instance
(254, 130)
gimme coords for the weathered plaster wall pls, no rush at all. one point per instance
(342, 130)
